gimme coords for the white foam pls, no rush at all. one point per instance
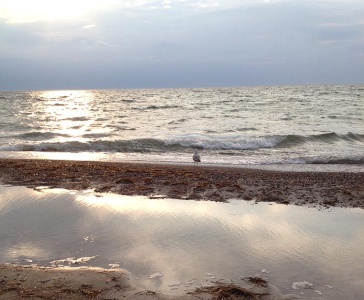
(72, 260)
(230, 142)
(155, 275)
(301, 285)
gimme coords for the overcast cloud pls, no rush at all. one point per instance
(83, 44)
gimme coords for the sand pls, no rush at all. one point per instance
(210, 183)
(34, 282)
(213, 183)
(18, 282)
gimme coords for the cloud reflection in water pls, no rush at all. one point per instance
(186, 240)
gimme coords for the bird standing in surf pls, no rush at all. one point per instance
(196, 157)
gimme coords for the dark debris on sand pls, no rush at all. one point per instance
(230, 292)
(318, 189)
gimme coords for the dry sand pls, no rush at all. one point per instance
(212, 183)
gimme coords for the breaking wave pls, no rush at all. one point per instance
(338, 161)
(147, 145)
(328, 138)
(35, 142)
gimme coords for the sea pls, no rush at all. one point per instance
(286, 126)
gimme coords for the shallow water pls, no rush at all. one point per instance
(174, 246)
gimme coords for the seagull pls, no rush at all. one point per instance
(196, 157)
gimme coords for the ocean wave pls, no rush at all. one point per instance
(155, 107)
(76, 119)
(241, 142)
(328, 138)
(162, 106)
(48, 147)
(37, 141)
(36, 135)
(146, 145)
(140, 146)
(225, 143)
(337, 161)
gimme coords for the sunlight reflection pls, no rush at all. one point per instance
(122, 204)
(183, 239)
(26, 250)
(65, 112)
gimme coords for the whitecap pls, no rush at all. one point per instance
(155, 275)
(301, 285)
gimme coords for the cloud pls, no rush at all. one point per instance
(23, 11)
(181, 43)
(89, 26)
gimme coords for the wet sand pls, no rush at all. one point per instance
(18, 282)
(33, 282)
(214, 183)
(201, 182)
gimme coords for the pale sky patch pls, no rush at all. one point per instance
(205, 5)
(333, 25)
(166, 3)
(89, 26)
(330, 41)
(23, 11)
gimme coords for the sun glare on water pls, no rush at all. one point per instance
(66, 105)
(66, 112)
(21, 11)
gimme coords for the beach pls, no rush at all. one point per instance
(177, 181)
(189, 181)
(17, 282)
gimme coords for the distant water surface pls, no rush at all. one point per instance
(241, 126)
(174, 246)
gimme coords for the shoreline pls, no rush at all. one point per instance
(190, 182)
(37, 282)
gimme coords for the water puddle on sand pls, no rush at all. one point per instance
(174, 246)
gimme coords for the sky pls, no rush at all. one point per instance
(90, 44)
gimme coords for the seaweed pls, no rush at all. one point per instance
(229, 292)
(256, 280)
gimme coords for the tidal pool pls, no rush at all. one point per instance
(174, 246)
